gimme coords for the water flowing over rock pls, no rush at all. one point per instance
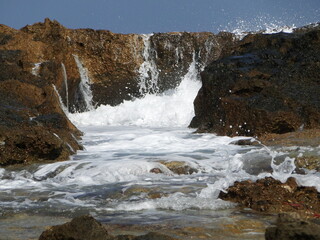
(270, 84)
(48, 70)
(116, 64)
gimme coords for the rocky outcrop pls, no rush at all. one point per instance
(272, 196)
(45, 67)
(33, 127)
(112, 63)
(290, 228)
(87, 228)
(270, 84)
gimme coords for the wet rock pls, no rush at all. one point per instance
(87, 228)
(270, 195)
(306, 137)
(80, 228)
(179, 167)
(308, 162)
(154, 236)
(112, 61)
(269, 84)
(33, 128)
(291, 228)
(156, 170)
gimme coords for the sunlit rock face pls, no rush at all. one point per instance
(270, 84)
(48, 70)
(115, 64)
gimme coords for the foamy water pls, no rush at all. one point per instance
(124, 144)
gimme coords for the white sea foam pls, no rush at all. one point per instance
(84, 85)
(263, 24)
(171, 109)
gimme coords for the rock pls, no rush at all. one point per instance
(269, 84)
(87, 228)
(154, 236)
(272, 196)
(179, 167)
(306, 137)
(45, 62)
(33, 128)
(289, 228)
(293, 143)
(80, 228)
(112, 61)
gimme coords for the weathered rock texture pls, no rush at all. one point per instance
(44, 62)
(113, 62)
(270, 84)
(290, 228)
(33, 127)
(272, 196)
(87, 228)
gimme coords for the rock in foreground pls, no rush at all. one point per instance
(272, 196)
(270, 84)
(289, 228)
(33, 127)
(87, 228)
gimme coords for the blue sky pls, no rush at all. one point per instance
(146, 16)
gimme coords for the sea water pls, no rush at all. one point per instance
(121, 176)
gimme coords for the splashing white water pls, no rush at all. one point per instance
(148, 71)
(173, 108)
(36, 68)
(65, 80)
(263, 24)
(63, 107)
(84, 85)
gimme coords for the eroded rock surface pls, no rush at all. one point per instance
(290, 228)
(111, 62)
(87, 228)
(270, 84)
(272, 196)
(33, 127)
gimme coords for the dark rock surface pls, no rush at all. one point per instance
(33, 128)
(87, 228)
(270, 84)
(80, 228)
(289, 228)
(272, 196)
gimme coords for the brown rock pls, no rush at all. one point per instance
(270, 195)
(289, 228)
(112, 60)
(269, 84)
(87, 228)
(33, 127)
(80, 228)
(179, 167)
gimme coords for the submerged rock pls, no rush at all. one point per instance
(269, 84)
(290, 228)
(272, 196)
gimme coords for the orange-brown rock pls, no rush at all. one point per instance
(272, 196)
(46, 61)
(112, 60)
